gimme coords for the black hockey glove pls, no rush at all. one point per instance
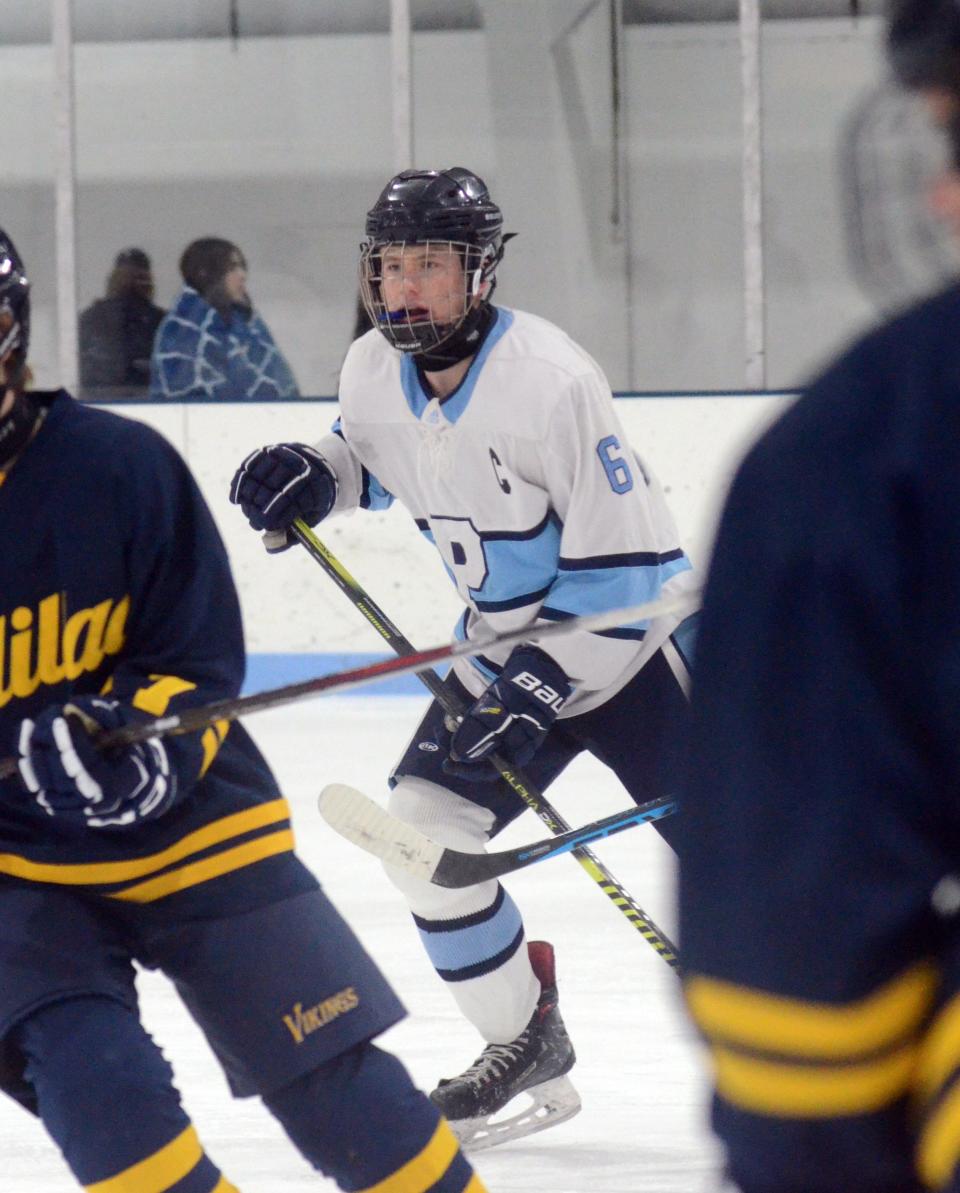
(275, 485)
(71, 779)
(512, 717)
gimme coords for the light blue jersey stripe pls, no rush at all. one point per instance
(596, 590)
(454, 406)
(374, 496)
(520, 568)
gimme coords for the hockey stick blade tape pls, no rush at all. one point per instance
(364, 823)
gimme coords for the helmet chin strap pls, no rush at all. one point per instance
(16, 427)
(464, 342)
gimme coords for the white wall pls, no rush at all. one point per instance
(289, 605)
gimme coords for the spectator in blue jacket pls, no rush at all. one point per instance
(212, 344)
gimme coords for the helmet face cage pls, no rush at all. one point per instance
(9, 328)
(899, 249)
(14, 310)
(412, 295)
(444, 213)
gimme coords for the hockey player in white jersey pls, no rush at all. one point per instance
(498, 433)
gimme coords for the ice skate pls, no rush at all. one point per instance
(532, 1068)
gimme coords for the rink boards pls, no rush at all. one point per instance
(299, 625)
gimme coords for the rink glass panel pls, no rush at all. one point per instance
(613, 146)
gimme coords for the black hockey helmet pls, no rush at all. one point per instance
(923, 42)
(421, 205)
(449, 207)
(14, 310)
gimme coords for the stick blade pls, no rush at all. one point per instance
(364, 823)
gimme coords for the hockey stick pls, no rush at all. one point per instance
(618, 894)
(365, 823)
(194, 719)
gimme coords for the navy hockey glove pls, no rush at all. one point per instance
(275, 485)
(512, 717)
(70, 778)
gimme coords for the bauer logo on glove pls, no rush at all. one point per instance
(512, 717)
(542, 691)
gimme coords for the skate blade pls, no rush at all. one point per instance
(550, 1104)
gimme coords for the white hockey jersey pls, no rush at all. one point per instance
(525, 483)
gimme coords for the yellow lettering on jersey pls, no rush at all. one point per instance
(83, 637)
(22, 681)
(114, 636)
(61, 649)
(302, 1023)
(49, 663)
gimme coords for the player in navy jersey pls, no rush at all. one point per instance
(117, 605)
(498, 434)
(820, 836)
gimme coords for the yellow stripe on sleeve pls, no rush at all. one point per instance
(475, 1186)
(211, 741)
(793, 1027)
(224, 1186)
(159, 1171)
(426, 1168)
(940, 1053)
(155, 698)
(786, 1090)
(939, 1147)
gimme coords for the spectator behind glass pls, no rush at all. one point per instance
(116, 332)
(213, 344)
